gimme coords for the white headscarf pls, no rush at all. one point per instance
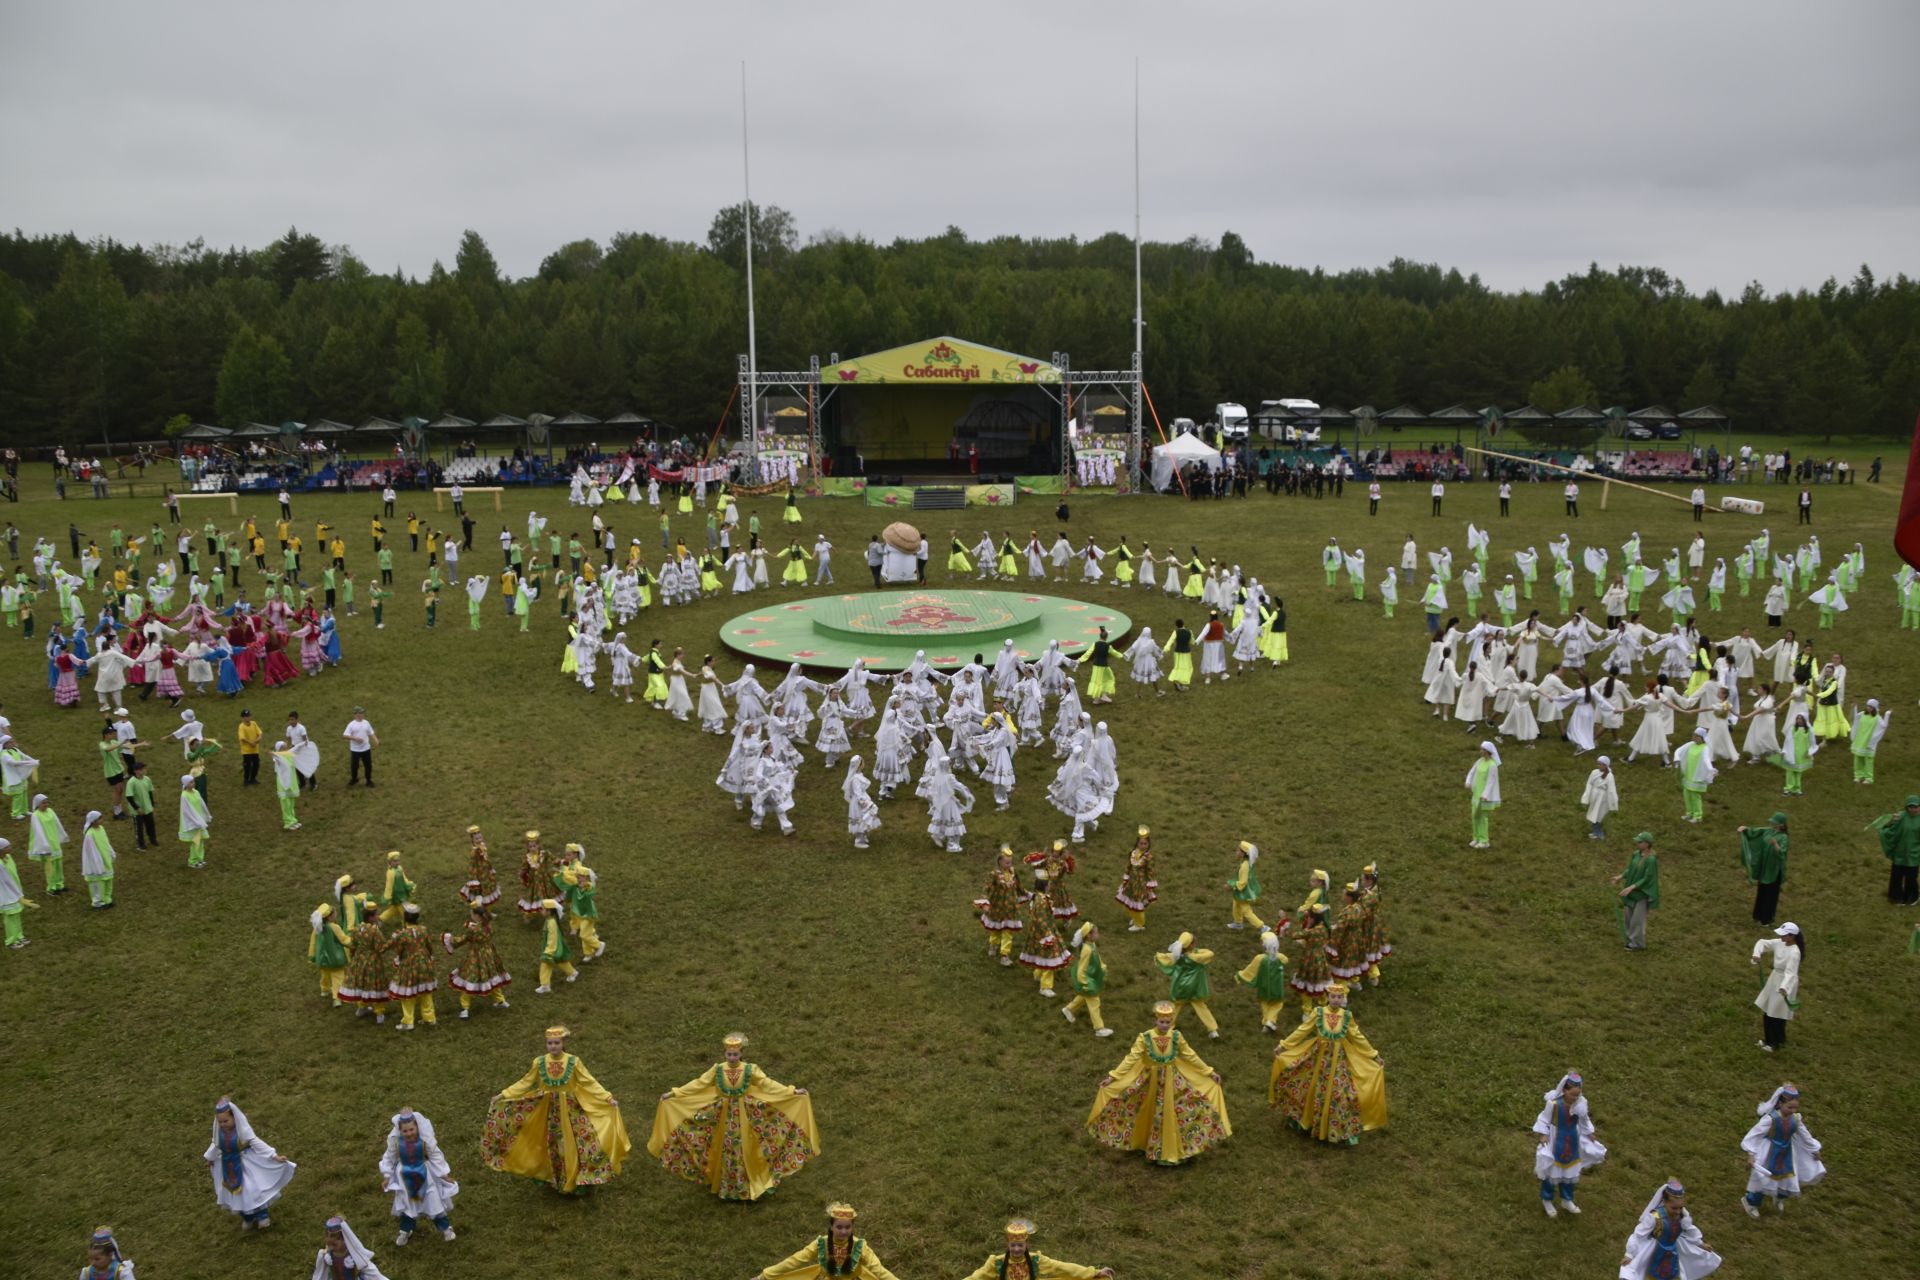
(1491, 750)
(1660, 1193)
(1176, 949)
(241, 1129)
(1773, 1100)
(361, 1255)
(853, 771)
(1554, 1093)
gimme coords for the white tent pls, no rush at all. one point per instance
(1178, 452)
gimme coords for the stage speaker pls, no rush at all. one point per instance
(1003, 479)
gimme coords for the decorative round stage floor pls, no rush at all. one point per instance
(888, 627)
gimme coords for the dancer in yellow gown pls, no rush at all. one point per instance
(556, 1123)
(733, 1128)
(1161, 1099)
(1019, 1259)
(1331, 1082)
(837, 1253)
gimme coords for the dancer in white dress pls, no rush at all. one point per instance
(948, 803)
(1783, 1156)
(832, 741)
(1665, 1237)
(892, 752)
(416, 1172)
(1076, 793)
(863, 815)
(996, 744)
(773, 779)
(1601, 796)
(623, 660)
(1567, 1147)
(678, 701)
(1143, 658)
(248, 1174)
(1762, 738)
(342, 1254)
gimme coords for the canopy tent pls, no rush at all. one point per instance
(451, 422)
(327, 427)
(380, 426)
(503, 422)
(253, 431)
(1178, 452)
(204, 431)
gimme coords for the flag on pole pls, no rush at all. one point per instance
(1906, 533)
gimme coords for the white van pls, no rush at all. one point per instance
(1232, 420)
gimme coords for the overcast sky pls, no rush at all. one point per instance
(1724, 142)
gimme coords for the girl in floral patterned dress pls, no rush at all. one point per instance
(1312, 976)
(1162, 1099)
(479, 971)
(556, 1124)
(1138, 889)
(999, 907)
(482, 888)
(1347, 948)
(733, 1128)
(1331, 1082)
(1378, 943)
(1043, 948)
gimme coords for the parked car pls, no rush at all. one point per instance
(1670, 431)
(1639, 431)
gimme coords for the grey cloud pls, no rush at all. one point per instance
(1721, 141)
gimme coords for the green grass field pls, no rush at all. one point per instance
(950, 1095)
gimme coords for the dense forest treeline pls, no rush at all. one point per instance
(101, 337)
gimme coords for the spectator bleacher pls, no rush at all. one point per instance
(1649, 464)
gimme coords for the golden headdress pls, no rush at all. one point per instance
(840, 1211)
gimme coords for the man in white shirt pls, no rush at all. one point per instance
(1699, 500)
(459, 497)
(1573, 499)
(822, 560)
(1439, 492)
(296, 739)
(361, 740)
(1506, 495)
(1373, 498)
(506, 547)
(387, 496)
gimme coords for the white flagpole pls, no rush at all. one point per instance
(750, 409)
(1139, 322)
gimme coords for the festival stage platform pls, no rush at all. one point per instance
(888, 627)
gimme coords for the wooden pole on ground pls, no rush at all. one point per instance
(1606, 482)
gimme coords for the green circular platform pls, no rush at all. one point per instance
(888, 627)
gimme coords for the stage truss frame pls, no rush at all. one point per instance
(754, 384)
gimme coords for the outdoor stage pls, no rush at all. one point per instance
(888, 627)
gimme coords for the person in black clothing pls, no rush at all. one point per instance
(1100, 662)
(1806, 506)
(73, 537)
(1060, 512)
(1873, 476)
(466, 532)
(1181, 677)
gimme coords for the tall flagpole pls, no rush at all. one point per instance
(1139, 318)
(750, 405)
(1139, 322)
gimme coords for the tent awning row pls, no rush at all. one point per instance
(448, 423)
(1457, 415)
